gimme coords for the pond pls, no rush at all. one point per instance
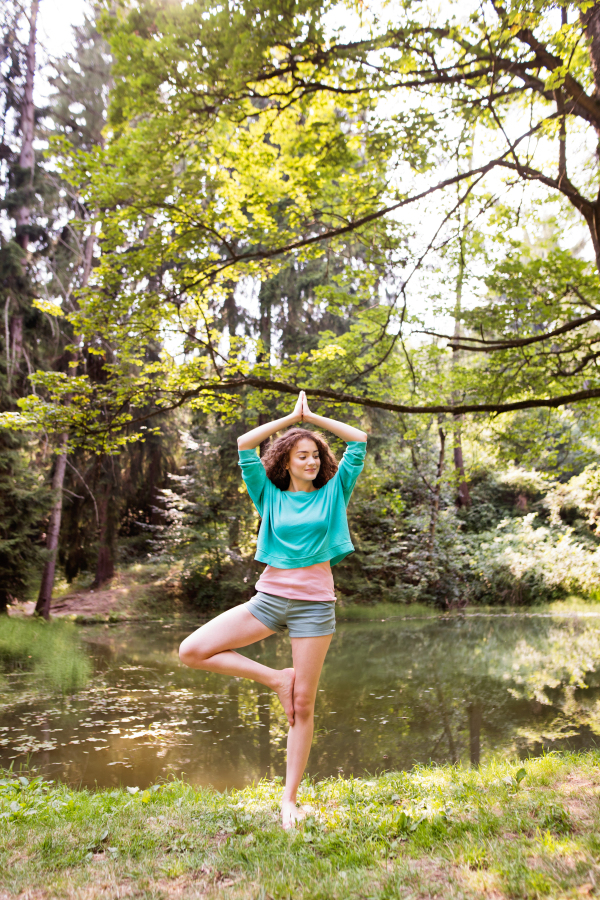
(392, 694)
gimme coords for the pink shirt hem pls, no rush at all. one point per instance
(309, 583)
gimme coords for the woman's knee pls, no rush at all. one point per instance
(191, 652)
(304, 705)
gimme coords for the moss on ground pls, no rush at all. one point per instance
(510, 830)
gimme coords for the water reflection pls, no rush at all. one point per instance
(392, 694)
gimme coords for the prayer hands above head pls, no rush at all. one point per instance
(301, 411)
(305, 410)
(298, 407)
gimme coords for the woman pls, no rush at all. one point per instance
(301, 496)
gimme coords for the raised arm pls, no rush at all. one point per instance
(346, 432)
(253, 438)
(301, 413)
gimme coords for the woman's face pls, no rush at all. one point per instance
(304, 462)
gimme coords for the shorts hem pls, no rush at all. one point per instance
(319, 634)
(279, 622)
(277, 629)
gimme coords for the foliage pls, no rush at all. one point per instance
(232, 204)
(277, 145)
(577, 502)
(208, 521)
(519, 563)
(23, 504)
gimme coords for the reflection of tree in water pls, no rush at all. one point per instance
(558, 674)
(459, 689)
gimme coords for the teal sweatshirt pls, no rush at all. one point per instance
(300, 528)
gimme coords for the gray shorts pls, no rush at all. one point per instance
(301, 618)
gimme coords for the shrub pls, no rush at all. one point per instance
(518, 563)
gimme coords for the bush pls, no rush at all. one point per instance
(518, 563)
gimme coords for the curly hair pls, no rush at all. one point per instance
(276, 458)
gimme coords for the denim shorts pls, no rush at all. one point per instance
(301, 618)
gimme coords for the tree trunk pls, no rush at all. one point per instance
(264, 356)
(436, 493)
(463, 495)
(15, 347)
(44, 600)
(231, 311)
(27, 121)
(105, 564)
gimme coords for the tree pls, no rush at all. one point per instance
(22, 244)
(275, 143)
(77, 113)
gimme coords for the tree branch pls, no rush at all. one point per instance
(491, 346)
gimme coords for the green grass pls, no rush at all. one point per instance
(511, 830)
(51, 651)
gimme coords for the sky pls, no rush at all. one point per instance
(56, 19)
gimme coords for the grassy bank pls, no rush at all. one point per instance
(516, 830)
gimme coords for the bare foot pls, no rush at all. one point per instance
(285, 692)
(291, 814)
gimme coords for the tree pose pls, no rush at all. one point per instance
(301, 495)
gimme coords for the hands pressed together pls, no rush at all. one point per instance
(301, 411)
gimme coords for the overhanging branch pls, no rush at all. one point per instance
(341, 397)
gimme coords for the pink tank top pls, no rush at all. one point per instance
(310, 583)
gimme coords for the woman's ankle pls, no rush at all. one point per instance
(289, 796)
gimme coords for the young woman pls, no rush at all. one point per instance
(301, 495)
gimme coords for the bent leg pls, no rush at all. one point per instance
(211, 648)
(309, 655)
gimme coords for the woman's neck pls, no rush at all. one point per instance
(298, 485)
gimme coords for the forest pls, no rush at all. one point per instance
(391, 206)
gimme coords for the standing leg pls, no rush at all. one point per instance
(308, 654)
(211, 648)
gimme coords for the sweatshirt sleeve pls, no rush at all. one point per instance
(351, 466)
(255, 477)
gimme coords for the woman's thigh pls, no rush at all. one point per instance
(309, 655)
(234, 628)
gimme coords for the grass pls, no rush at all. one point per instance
(51, 651)
(510, 830)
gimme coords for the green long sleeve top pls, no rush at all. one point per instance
(301, 528)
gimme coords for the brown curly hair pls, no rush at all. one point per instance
(276, 458)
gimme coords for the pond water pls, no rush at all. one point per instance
(392, 693)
